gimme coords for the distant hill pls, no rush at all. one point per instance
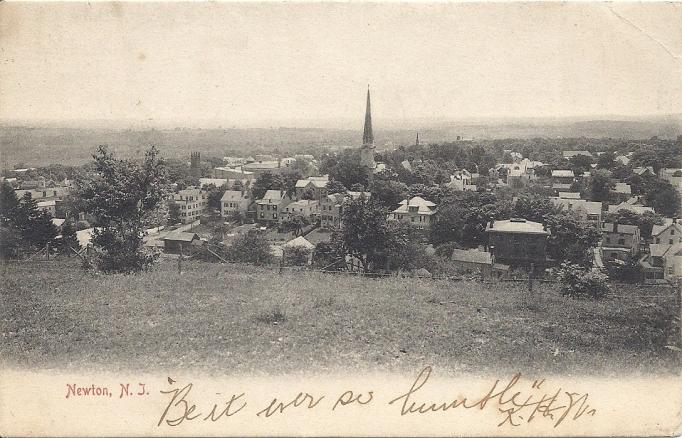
(44, 144)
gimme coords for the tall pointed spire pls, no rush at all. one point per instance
(417, 141)
(367, 134)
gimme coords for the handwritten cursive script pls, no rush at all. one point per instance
(510, 401)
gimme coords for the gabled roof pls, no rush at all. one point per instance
(659, 249)
(570, 154)
(299, 241)
(562, 173)
(234, 195)
(303, 203)
(658, 229)
(643, 170)
(471, 256)
(517, 226)
(218, 182)
(181, 236)
(623, 188)
(423, 206)
(622, 159)
(569, 195)
(622, 229)
(633, 208)
(356, 195)
(273, 195)
(318, 183)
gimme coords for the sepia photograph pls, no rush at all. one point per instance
(337, 194)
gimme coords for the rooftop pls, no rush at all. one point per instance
(517, 226)
(562, 173)
(471, 256)
(622, 229)
(423, 206)
(233, 195)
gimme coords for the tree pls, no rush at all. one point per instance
(606, 161)
(345, 168)
(250, 247)
(663, 197)
(69, 238)
(570, 239)
(534, 208)
(600, 185)
(266, 181)
(388, 193)
(329, 256)
(122, 195)
(173, 213)
(10, 241)
(35, 225)
(215, 194)
(336, 187)
(9, 204)
(366, 234)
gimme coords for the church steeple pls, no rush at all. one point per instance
(416, 143)
(367, 134)
(367, 149)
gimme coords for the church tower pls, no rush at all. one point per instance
(367, 149)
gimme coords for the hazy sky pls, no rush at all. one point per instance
(250, 62)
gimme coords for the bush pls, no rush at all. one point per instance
(82, 225)
(628, 272)
(578, 282)
(251, 247)
(296, 256)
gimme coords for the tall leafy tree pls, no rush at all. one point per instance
(122, 195)
(367, 236)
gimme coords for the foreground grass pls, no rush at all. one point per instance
(244, 319)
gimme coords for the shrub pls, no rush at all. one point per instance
(628, 272)
(296, 256)
(251, 247)
(82, 225)
(578, 282)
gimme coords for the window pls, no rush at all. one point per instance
(658, 240)
(672, 232)
(621, 241)
(274, 215)
(44, 194)
(262, 215)
(670, 269)
(608, 240)
(670, 241)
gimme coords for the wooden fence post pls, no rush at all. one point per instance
(180, 260)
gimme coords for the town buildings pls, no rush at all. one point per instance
(313, 187)
(192, 203)
(586, 211)
(562, 180)
(269, 208)
(619, 242)
(416, 211)
(307, 208)
(518, 242)
(233, 202)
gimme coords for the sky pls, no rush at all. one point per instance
(248, 63)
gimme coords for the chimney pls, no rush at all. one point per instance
(615, 227)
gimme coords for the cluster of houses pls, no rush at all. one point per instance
(48, 194)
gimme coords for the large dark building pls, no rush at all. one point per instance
(518, 242)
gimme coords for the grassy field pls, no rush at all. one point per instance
(243, 319)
